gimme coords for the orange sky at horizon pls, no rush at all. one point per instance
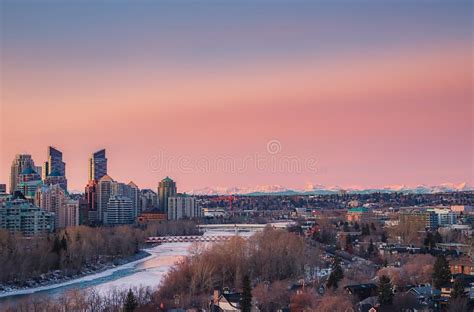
(395, 95)
(377, 93)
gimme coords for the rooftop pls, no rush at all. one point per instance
(358, 209)
(167, 179)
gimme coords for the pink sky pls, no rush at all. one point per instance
(384, 119)
(373, 117)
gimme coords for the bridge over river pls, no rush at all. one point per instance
(236, 228)
(189, 238)
(243, 227)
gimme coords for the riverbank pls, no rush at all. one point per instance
(57, 279)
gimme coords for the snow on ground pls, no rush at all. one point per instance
(147, 272)
(150, 272)
(73, 281)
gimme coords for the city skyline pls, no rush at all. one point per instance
(236, 155)
(141, 78)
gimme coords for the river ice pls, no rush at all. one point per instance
(148, 271)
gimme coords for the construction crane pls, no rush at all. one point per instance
(229, 198)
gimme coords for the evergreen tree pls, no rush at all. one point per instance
(365, 230)
(385, 290)
(64, 243)
(432, 239)
(383, 237)
(441, 272)
(349, 247)
(246, 300)
(56, 245)
(130, 302)
(372, 225)
(356, 226)
(371, 248)
(337, 274)
(78, 237)
(429, 240)
(345, 227)
(458, 289)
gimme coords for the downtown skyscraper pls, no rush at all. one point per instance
(54, 163)
(19, 164)
(54, 169)
(166, 189)
(97, 165)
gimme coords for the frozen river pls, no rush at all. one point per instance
(148, 271)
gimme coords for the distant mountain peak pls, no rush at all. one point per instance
(311, 188)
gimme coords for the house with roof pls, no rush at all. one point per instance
(357, 214)
(368, 304)
(227, 301)
(362, 291)
(424, 293)
(462, 265)
(466, 280)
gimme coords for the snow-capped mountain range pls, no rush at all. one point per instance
(322, 189)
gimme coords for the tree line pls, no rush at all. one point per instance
(74, 249)
(269, 256)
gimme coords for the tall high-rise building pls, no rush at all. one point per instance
(90, 195)
(54, 178)
(166, 189)
(83, 211)
(39, 170)
(20, 163)
(183, 206)
(148, 200)
(97, 165)
(53, 198)
(133, 192)
(105, 189)
(119, 211)
(55, 162)
(28, 182)
(69, 214)
(54, 169)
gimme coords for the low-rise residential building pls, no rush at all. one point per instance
(213, 212)
(357, 214)
(441, 217)
(465, 280)
(462, 265)
(427, 218)
(465, 209)
(146, 217)
(19, 215)
(362, 291)
(226, 301)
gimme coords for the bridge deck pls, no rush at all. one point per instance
(190, 238)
